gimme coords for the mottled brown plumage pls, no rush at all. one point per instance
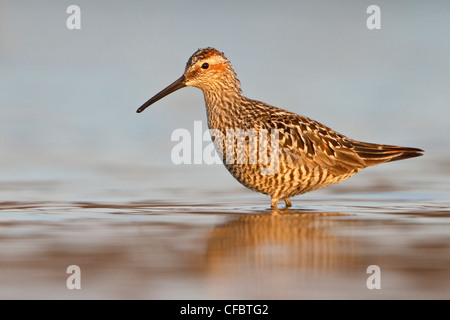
(309, 155)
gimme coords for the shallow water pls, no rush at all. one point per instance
(223, 242)
(86, 181)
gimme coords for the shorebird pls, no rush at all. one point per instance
(309, 154)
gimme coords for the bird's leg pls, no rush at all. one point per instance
(288, 202)
(274, 203)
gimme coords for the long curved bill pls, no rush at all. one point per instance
(177, 84)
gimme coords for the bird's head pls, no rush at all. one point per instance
(207, 69)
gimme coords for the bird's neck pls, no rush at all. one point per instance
(223, 107)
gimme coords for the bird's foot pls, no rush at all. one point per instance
(274, 203)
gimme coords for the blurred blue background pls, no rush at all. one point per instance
(68, 97)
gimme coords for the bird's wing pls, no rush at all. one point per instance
(303, 140)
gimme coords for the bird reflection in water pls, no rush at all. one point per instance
(280, 241)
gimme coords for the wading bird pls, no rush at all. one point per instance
(309, 155)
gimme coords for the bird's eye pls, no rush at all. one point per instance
(205, 65)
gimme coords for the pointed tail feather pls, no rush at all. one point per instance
(374, 154)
